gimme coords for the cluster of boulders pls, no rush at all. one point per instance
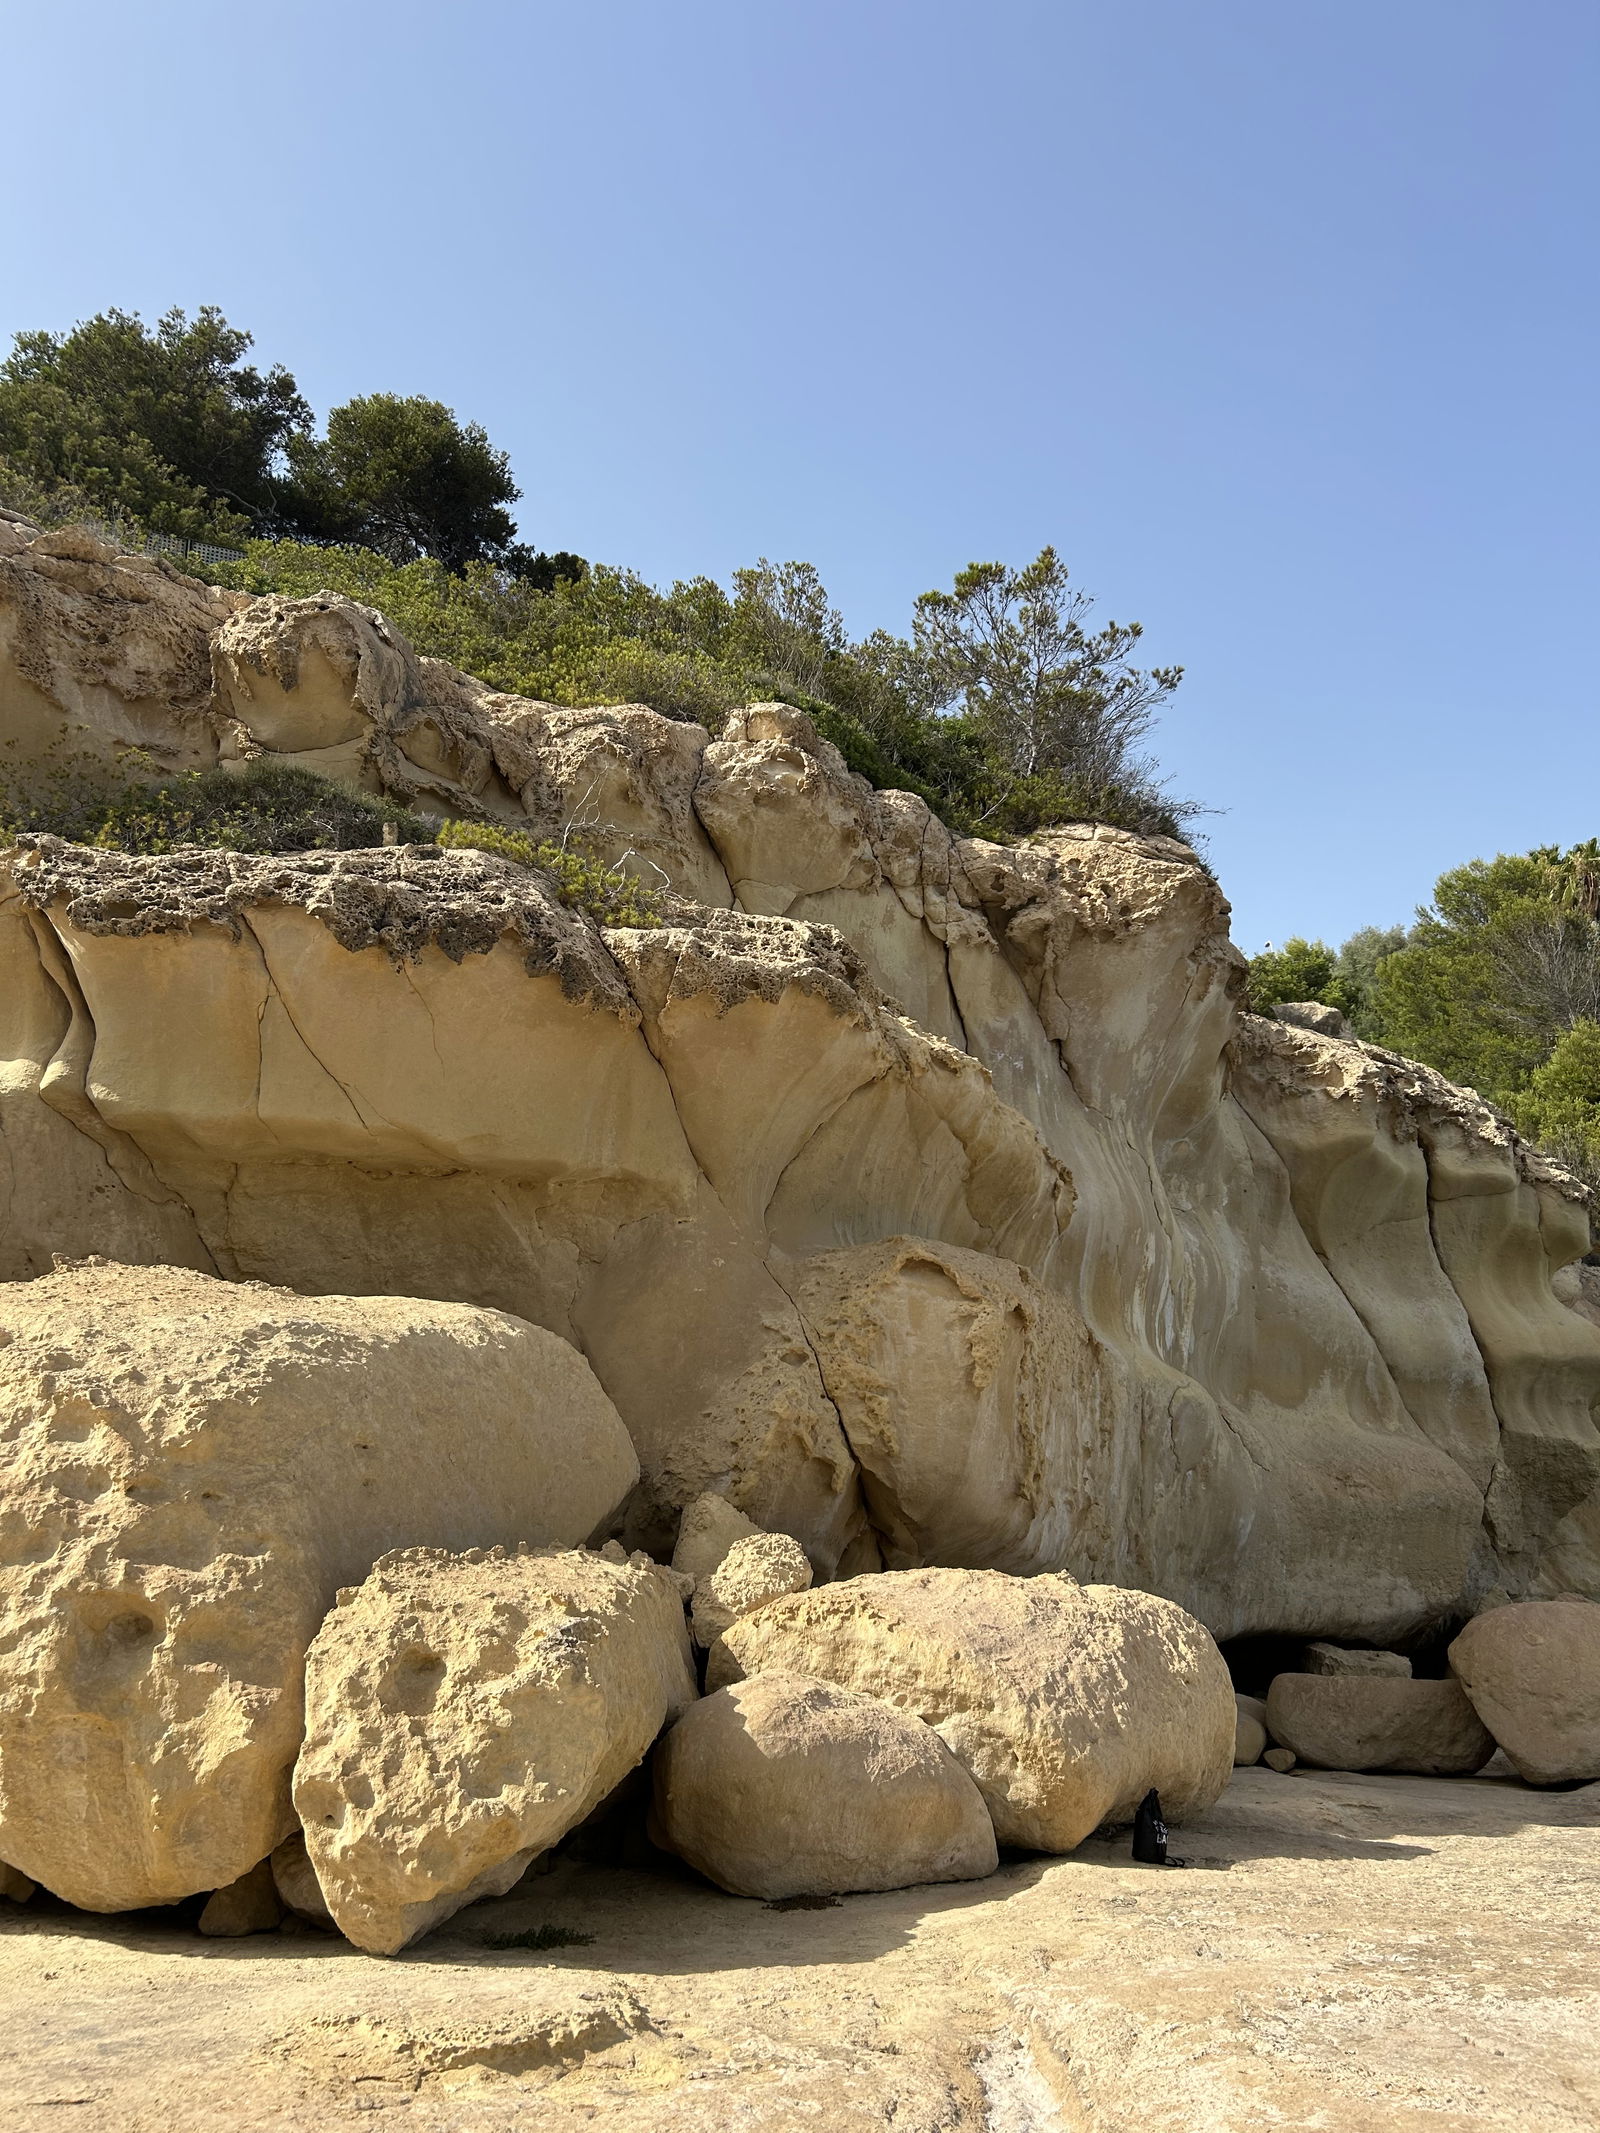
(1524, 1677)
(301, 1610)
(296, 1612)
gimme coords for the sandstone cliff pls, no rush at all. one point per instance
(931, 1198)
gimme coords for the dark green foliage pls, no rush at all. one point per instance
(262, 807)
(1058, 711)
(1299, 970)
(1497, 969)
(170, 429)
(403, 477)
(1560, 1107)
(539, 1937)
(167, 426)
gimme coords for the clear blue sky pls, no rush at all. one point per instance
(1277, 317)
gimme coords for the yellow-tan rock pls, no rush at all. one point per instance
(249, 1905)
(1250, 1731)
(1066, 1703)
(1320, 1658)
(192, 1468)
(931, 1200)
(15, 1887)
(1532, 1672)
(780, 1785)
(709, 1528)
(463, 1712)
(1377, 1722)
(756, 1570)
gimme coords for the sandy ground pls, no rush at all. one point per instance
(1341, 1953)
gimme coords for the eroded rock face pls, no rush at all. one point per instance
(928, 1199)
(463, 1712)
(1533, 1675)
(1065, 1703)
(784, 1786)
(192, 1468)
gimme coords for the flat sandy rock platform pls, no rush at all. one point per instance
(1342, 1953)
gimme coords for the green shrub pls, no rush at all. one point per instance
(262, 807)
(581, 876)
(1560, 1107)
(1299, 970)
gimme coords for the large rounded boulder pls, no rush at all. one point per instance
(784, 1786)
(190, 1469)
(465, 1712)
(1532, 1671)
(1066, 1703)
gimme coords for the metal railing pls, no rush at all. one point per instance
(124, 535)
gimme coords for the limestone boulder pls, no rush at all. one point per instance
(190, 1470)
(1312, 1015)
(754, 1572)
(463, 1712)
(1250, 1731)
(101, 652)
(1321, 1658)
(249, 1905)
(780, 1785)
(710, 1526)
(1532, 1672)
(1377, 1722)
(1065, 1703)
(295, 1883)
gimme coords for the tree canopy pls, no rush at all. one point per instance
(170, 427)
(405, 478)
(1496, 984)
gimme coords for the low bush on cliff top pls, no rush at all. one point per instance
(262, 807)
(281, 807)
(581, 876)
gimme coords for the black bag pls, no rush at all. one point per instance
(1150, 1832)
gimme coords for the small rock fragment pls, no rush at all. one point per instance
(1280, 1759)
(764, 1567)
(1250, 1731)
(15, 1886)
(295, 1879)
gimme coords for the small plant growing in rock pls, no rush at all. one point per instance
(581, 875)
